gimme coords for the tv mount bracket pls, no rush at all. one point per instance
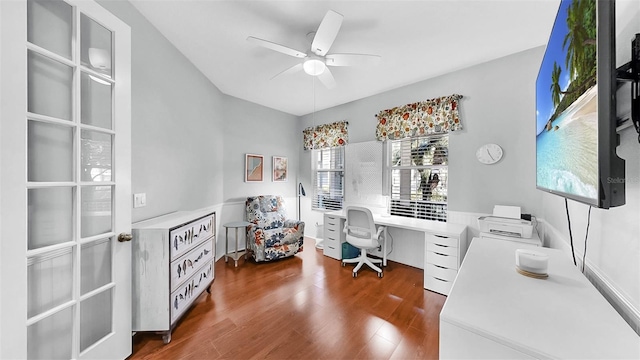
(631, 72)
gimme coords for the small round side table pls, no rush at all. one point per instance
(235, 255)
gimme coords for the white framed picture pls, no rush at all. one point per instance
(280, 169)
(254, 168)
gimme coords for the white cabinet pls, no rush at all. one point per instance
(443, 256)
(493, 312)
(172, 264)
(333, 236)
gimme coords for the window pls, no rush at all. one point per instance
(418, 177)
(328, 175)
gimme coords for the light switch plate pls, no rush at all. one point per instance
(139, 200)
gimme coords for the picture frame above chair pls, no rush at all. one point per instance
(280, 170)
(254, 168)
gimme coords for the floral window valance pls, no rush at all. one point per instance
(326, 136)
(432, 116)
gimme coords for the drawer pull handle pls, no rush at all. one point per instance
(440, 279)
(441, 236)
(446, 246)
(438, 266)
(437, 253)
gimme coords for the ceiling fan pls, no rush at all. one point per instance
(316, 60)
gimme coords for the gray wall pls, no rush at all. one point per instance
(498, 107)
(176, 117)
(188, 138)
(255, 129)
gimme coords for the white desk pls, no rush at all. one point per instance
(494, 312)
(449, 238)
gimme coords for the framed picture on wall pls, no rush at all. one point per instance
(280, 168)
(254, 168)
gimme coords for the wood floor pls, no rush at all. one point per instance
(305, 307)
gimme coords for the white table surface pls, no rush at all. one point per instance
(440, 227)
(563, 316)
(237, 224)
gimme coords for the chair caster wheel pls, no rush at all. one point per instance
(355, 275)
(380, 275)
(344, 264)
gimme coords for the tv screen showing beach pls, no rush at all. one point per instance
(566, 105)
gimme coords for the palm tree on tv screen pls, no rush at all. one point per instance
(555, 84)
(577, 37)
(580, 58)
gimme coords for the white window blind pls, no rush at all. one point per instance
(418, 178)
(328, 171)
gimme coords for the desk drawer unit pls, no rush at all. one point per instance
(333, 236)
(443, 255)
(443, 260)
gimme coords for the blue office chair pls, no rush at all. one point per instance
(361, 232)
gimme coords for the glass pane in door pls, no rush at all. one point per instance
(96, 156)
(96, 210)
(96, 265)
(52, 337)
(49, 87)
(95, 46)
(95, 318)
(49, 25)
(50, 152)
(49, 219)
(50, 281)
(96, 106)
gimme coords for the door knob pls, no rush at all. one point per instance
(124, 237)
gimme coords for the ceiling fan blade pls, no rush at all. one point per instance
(326, 78)
(327, 32)
(352, 59)
(291, 70)
(277, 47)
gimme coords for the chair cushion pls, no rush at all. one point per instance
(266, 211)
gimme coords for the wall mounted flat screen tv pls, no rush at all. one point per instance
(576, 135)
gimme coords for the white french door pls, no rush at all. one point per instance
(65, 181)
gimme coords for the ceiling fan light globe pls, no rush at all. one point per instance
(314, 67)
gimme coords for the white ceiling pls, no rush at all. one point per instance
(417, 40)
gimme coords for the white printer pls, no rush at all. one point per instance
(506, 224)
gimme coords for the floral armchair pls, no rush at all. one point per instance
(271, 236)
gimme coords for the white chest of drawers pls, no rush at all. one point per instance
(172, 264)
(442, 257)
(333, 236)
